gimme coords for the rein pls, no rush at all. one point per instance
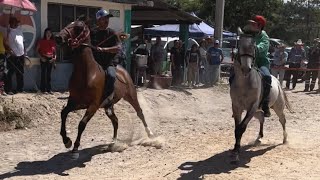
(77, 41)
(253, 55)
(82, 37)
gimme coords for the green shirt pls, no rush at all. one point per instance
(262, 43)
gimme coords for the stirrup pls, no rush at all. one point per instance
(110, 97)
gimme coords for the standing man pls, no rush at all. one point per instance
(157, 56)
(107, 43)
(280, 58)
(214, 58)
(177, 63)
(17, 53)
(296, 56)
(313, 63)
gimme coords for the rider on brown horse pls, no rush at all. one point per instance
(107, 43)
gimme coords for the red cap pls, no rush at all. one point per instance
(260, 20)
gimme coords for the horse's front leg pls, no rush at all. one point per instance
(64, 114)
(82, 125)
(241, 128)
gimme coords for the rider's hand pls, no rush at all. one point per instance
(99, 49)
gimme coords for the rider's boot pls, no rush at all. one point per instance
(306, 88)
(266, 92)
(111, 78)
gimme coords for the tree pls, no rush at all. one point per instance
(296, 19)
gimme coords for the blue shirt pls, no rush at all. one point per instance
(214, 56)
(297, 55)
(280, 58)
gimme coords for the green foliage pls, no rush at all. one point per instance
(297, 19)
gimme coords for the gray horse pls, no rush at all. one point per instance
(247, 90)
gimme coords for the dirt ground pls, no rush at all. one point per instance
(194, 133)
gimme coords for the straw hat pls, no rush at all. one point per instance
(317, 40)
(281, 45)
(299, 42)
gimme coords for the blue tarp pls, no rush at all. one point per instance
(195, 30)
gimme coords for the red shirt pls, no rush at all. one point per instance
(47, 47)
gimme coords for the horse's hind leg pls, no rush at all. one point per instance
(64, 114)
(134, 102)
(110, 113)
(282, 119)
(259, 115)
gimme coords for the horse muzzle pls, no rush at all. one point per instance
(59, 40)
(246, 70)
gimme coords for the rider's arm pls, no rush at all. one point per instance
(263, 46)
(115, 40)
(114, 49)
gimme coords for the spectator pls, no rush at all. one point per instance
(203, 62)
(193, 58)
(280, 58)
(3, 46)
(157, 56)
(46, 50)
(121, 57)
(296, 56)
(313, 63)
(17, 53)
(176, 57)
(214, 57)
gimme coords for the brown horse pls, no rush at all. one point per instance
(87, 85)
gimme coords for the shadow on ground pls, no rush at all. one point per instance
(58, 164)
(220, 163)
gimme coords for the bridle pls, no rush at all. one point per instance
(251, 55)
(75, 42)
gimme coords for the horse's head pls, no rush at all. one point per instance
(74, 34)
(246, 53)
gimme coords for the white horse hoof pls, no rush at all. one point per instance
(114, 141)
(149, 133)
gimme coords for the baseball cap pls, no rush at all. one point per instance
(103, 13)
(259, 19)
(217, 42)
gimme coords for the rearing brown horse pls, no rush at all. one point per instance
(87, 85)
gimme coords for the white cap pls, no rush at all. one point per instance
(216, 42)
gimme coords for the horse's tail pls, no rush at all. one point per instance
(287, 103)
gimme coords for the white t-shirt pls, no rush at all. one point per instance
(15, 39)
(203, 52)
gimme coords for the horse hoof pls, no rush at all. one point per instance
(68, 144)
(75, 155)
(113, 141)
(285, 141)
(257, 142)
(149, 133)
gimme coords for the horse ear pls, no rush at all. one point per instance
(240, 31)
(82, 18)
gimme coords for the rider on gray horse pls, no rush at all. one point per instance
(107, 43)
(255, 27)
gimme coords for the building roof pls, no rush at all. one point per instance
(159, 12)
